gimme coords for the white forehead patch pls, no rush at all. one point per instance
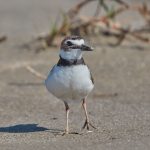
(77, 42)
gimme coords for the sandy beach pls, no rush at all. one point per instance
(31, 118)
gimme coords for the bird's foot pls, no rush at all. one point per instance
(67, 132)
(87, 125)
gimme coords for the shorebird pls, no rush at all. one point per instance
(70, 80)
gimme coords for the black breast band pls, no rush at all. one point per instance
(71, 62)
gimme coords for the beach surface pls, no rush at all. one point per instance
(31, 118)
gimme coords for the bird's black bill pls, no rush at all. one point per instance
(86, 48)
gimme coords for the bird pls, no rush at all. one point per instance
(70, 80)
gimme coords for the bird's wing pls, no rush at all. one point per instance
(91, 77)
(52, 70)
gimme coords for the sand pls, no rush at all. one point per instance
(31, 118)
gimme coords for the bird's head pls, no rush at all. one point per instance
(72, 47)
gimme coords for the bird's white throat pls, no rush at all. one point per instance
(72, 54)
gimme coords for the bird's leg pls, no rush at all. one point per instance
(66, 131)
(87, 123)
(67, 116)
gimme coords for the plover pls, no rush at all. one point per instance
(70, 80)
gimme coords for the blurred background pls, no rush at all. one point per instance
(30, 35)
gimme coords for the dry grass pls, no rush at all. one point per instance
(73, 23)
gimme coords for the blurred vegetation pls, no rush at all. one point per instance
(75, 23)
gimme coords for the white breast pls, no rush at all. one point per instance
(69, 83)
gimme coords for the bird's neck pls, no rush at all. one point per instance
(70, 62)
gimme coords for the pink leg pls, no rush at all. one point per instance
(67, 118)
(87, 123)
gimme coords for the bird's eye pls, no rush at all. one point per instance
(69, 43)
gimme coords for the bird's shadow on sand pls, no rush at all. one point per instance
(26, 128)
